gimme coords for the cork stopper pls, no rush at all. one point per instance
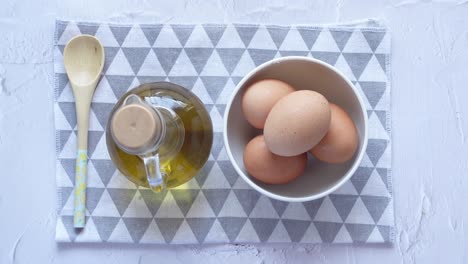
(135, 128)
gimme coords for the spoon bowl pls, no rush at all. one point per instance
(83, 59)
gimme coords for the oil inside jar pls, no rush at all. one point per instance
(198, 135)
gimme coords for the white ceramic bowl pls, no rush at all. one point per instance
(303, 73)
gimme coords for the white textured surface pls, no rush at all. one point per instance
(430, 58)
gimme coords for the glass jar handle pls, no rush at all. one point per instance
(156, 179)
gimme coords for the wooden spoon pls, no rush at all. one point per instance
(83, 59)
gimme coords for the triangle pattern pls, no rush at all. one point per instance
(167, 57)
(110, 52)
(327, 230)
(68, 110)
(279, 235)
(279, 206)
(278, 34)
(137, 208)
(328, 57)
(119, 66)
(375, 236)
(311, 235)
(247, 198)
(120, 33)
(373, 91)
(231, 207)
(70, 31)
(183, 66)
(184, 198)
(375, 186)
(103, 93)
(214, 32)
(313, 206)
(203, 174)
(168, 227)
(199, 57)
(325, 42)
(228, 171)
(341, 37)
(327, 212)
(376, 205)
(246, 33)
(185, 81)
(168, 208)
(102, 111)
(343, 236)
(261, 56)
(199, 39)
(375, 149)
(119, 84)
(244, 66)
(230, 39)
(374, 38)
(120, 233)
(343, 204)
(230, 57)
(385, 232)
(121, 198)
(294, 41)
(136, 57)
(200, 227)
(89, 233)
(214, 66)
(105, 35)
(105, 225)
(359, 232)
(167, 38)
(184, 235)
(382, 59)
(385, 176)
(216, 234)
(214, 85)
(357, 44)
(262, 40)
(216, 198)
(153, 201)
(151, 32)
(232, 226)
(106, 208)
(360, 177)
(373, 72)
(151, 66)
(136, 39)
(152, 234)
(263, 209)
(93, 195)
(357, 62)
(359, 214)
(309, 35)
(215, 179)
(296, 211)
(264, 227)
(296, 228)
(183, 32)
(200, 208)
(247, 234)
(136, 227)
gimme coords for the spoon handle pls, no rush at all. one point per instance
(82, 112)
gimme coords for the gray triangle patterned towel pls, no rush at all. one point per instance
(217, 206)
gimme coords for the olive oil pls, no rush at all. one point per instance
(179, 164)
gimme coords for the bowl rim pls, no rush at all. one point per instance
(246, 178)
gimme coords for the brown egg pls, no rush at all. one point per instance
(341, 141)
(260, 97)
(296, 123)
(270, 168)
